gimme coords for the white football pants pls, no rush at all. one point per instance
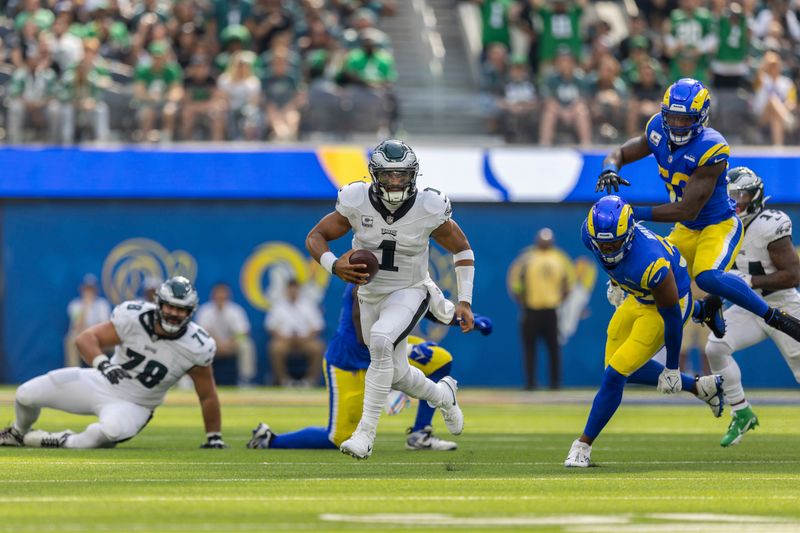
(81, 391)
(743, 330)
(385, 326)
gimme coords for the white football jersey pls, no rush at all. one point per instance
(767, 227)
(399, 240)
(154, 363)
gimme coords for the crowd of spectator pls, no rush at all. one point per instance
(162, 70)
(578, 73)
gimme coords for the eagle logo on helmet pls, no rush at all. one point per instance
(684, 110)
(746, 188)
(393, 167)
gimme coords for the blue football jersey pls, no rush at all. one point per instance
(676, 165)
(344, 351)
(645, 265)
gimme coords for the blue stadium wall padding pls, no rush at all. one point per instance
(48, 245)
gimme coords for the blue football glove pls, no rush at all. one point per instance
(484, 324)
(422, 352)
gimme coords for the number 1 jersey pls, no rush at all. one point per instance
(399, 239)
(154, 363)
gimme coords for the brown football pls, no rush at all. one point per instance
(365, 257)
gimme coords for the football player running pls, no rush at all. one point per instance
(346, 363)
(768, 263)
(394, 220)
(654, 275)
(155, 345)
(692, 161)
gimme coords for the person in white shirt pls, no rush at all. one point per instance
(294, 325)
(775, 100)
(228, 324)
(85, 311)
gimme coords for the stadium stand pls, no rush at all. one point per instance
(427, 67)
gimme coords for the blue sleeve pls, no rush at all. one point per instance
(713, 151)
(673, 334)
(585, 237)
(654, 132)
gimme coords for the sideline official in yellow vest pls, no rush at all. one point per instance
(541, 278)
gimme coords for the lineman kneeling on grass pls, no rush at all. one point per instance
(156, 345)
(345, 366)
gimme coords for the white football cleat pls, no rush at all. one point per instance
(424, 440)
(451, 412)
(262, 436)
(44, 439)
(580, 455)
(359, 445)
(709, 389)
(10, 436)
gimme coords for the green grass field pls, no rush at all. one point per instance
(660, 469)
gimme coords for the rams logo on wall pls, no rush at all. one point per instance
(132, 262)
(271, 265)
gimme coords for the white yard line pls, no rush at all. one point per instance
(80, 462)
(372, 497)
(576, 477)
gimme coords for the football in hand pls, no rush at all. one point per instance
(365, 257)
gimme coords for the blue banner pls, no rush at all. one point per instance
(47, 247)
(466, 174)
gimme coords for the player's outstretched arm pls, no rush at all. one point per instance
(631, 150)
(206, 389)
(668, 304)
(90, 345)
(334, 226)
(451, 237)
(698, 190)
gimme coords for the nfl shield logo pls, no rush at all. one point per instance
(390, 219)
(669, 159)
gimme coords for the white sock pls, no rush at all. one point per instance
(725, 365)
(740, 406)
(377, 382)
(92, 437)
(25, 417)
(416, 385)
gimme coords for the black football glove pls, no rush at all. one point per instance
(610, 179)
(214, 440)
(113, 372)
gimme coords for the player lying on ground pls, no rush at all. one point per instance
(156, 345)
(692, 161)
(395, 221)
(654, 275)
(346, 361)
(768, 263)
